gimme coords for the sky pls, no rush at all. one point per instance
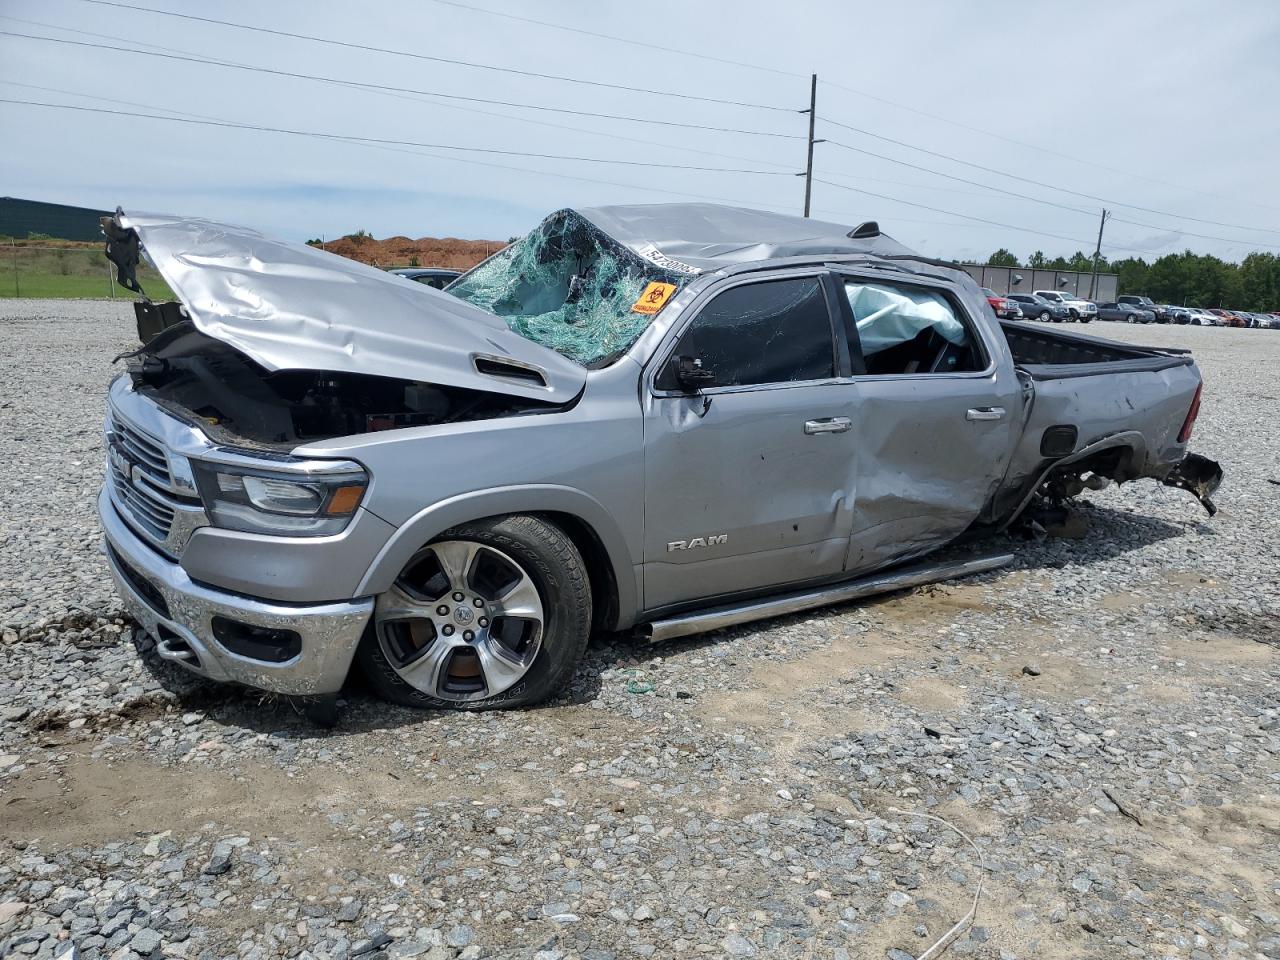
(1164, 112)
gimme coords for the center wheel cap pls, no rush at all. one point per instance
(463, 615)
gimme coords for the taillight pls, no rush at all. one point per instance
(1185, 434)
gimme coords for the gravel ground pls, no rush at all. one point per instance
(1101, 720)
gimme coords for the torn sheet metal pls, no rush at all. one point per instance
(1198, 475)
(289, 306)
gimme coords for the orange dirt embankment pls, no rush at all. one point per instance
(423, 252)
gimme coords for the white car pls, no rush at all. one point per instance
(1202, 318)
(1078, 308)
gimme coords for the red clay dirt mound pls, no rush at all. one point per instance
(423, 252)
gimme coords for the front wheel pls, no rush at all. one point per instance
(495, 613)
(1044, 316)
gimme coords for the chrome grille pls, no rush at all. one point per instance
(141, 484)
(146, 505)
(142, 449)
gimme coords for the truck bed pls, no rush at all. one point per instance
(1049, 354)
(1120, 408)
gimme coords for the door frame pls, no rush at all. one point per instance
(665, 348)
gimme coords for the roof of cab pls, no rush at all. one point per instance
(700, 237)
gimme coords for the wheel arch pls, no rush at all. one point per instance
(604, 548)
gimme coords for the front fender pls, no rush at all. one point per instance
(432, 521)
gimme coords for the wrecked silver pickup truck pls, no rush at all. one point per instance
(671, 418)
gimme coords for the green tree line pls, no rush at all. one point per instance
(1194, 279)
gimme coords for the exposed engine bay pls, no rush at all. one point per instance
(236, 400)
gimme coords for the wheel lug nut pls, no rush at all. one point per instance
(483, 621)
(459, 596)
(448, 630)
(442, 610)
(478, 601)
(468, 635)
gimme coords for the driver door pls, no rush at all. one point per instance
(749, 480)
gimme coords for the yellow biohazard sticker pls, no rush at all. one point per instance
(654, 297)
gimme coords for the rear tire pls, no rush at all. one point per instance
(1043, 316)
(525, 553)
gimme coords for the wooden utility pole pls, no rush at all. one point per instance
(813, 115)
(1097, 252)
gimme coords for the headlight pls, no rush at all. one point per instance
(292, 504)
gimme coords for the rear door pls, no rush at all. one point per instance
(936, 416)
(749, 483)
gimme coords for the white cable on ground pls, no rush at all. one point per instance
(947, 938)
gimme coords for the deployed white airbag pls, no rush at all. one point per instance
(889, 316)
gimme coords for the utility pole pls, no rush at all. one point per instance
(1097, 252)
(808, 167)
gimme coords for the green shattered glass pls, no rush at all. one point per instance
(567, 286)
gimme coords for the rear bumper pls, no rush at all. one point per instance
(179, 613)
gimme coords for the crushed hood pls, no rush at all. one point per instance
(289, 306)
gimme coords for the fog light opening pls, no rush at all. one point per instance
(268, 644)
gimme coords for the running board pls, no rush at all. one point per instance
(731, 615)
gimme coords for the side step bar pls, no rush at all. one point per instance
(730, 615)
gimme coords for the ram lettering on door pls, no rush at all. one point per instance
(697, 542)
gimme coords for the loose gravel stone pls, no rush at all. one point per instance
(759, 799)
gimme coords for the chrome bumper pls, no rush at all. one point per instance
(179, 614)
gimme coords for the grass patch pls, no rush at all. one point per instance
(28, 271)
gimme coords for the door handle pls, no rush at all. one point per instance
(827, 425)
(984, 413)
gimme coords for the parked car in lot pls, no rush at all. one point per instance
(1263, 321)
(1125, 312)
(1203, 318)
(1037, 308)
(602, 426)
(1004, 308)
(1159, 310)
(1228, 318)
(437, 277)
(1178, 315)
(1077, 307)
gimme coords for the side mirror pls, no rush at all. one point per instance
(691, 375)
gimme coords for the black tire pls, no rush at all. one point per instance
(1043, 316)
(557, 569)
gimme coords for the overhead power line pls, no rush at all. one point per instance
(352, 45)
(473, 161)
(379, 86)
(629, 41)
(1047, 203)
(1007, 139)
(1041, 183)
(954, 213)
(391, 142)
(420, 99)
(702, 55)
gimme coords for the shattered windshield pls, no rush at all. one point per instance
(571, 287)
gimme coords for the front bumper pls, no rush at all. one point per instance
(178, 614)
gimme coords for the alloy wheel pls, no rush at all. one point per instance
(463, 621)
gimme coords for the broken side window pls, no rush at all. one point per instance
(571, 287)
(909, 330)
